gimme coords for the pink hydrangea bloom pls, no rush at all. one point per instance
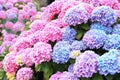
(53, 33)
(57, 22)
(110, 3)
(51, 10)
(25, 56)
(41, 52)
(9, 25)
(8, 5)
(26, 33)
(66, 6)
(18, 26)
(55, 76)
(9, 63)
(25, 73)
(2, 14)
(22, 43)
(38, 25)
(9, 37)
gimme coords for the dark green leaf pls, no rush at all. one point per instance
(97, 77)
(109, 77)
(79, 34)
(85, 26)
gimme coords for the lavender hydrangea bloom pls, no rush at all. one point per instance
(116, 29)
(61, 56)
(68, 34)
(112, 42)
(70, 68)
(11, 16)
(108, 63)
(86, 64)
(1, 7)
(60, 44)
(77, 45)
(24, 74)
(68, 76)
(94, 38)
(99, 26)
(76, 15)
(105, 15)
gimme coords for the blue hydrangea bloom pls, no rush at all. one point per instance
(94, 38)
(99, 26)
(108, 63)
(60, 44)
(86, 64)
(112, 42)
(116, 29)
(76, 15)
(68, 34)
(61, 56)
(77, 45)
(105, 15)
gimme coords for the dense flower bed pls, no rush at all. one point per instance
(67, 40)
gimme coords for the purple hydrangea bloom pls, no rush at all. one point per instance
(116, 29)
(112, 42)
(109, 63)
(24, 74)
(94, 38)
(70, 68)
(99, 26)
(61, 56)
(68, 34)
(105, 15)
(60, 44)
(77, 45)
(76, 15)
(68, 76)
(86, 64)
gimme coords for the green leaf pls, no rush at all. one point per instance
(109, 77)
(79, 34)
(3, 21)
(97, 77)
(1, 57)
(72, 61)
(38, 68)
(3, 75)
(85, 26)
(14, 20)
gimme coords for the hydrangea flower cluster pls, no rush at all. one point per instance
(41, 53)
(94, 38)
(112, 42)
(104, 15)
(24, 74)
(77, 45)
(61, 56)
(116, 29)
(99, 26)
(76, 15)
(109, 62)
(86, 64)
(65, 35)
(68, 34)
